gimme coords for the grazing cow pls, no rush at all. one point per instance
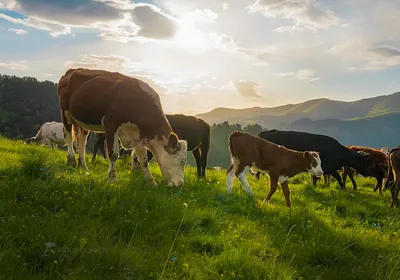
(376, 158)
(197, 134)
(392, 181)
(100, 144)
(123, 108)
(332, 153)
(50, 134)
(252, 152)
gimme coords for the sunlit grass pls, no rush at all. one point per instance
(61, 223)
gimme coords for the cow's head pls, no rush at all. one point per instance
(172, 160)
(315, 163)
(30, 140)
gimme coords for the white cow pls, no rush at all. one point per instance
(50, 134)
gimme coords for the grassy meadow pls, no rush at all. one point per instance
(61, 223)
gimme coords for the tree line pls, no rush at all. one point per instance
(26, 104)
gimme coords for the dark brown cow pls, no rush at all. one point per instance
(197, 134)
(376, 157)
(123, 108)
(392, 181)
(252, 152)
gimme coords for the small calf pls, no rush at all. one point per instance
(252, 152)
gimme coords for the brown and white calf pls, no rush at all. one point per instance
(123, 108)
(252, 152)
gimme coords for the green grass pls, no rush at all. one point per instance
(59, 223)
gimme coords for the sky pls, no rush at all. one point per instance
(203, 54)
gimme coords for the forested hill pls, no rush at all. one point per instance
(25, 104)
(316, 109)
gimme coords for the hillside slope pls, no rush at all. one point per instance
(58, 223)
(312, 109)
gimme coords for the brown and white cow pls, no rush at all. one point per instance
(123, 108)
(392, 181)
(252, 152)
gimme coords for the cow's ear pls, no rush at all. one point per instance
(172, 142)
(384, 167)
(306, 154)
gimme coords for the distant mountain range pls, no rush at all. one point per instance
(316, 109)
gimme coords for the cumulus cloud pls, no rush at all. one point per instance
(301, 75)
(118, 20)
(246, 88)
(153, 22)
(18, 31)
(366, 57)
(305, 14)
(16, 66)
(225, 6)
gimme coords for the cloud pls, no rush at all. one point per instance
(226, 43)
(16, 66)
(55, 29)
(225, 6)
(305, 14)
(118, 20)
(301, 75)
(18, 31)
(246, 88)
(366, 57)
(74, 12)
(153, 22)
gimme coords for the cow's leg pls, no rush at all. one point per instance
(82, 138)
(102, 150)
(346, 172)
(314, 180)
(197, 157)
(272, 189)
(336, 175)
(241, 173)
(378, 185)
(204, 148)
(230, 176)
(327, 178)
(353, 181)
(95, 148)
(142, 158)
(135, 161)
(112, 152)
(286, 192)
(71, 153)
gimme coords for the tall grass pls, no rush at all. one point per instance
(61, 223)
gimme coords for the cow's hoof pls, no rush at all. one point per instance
(71, 161)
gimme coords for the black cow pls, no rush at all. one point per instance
(333, 155)
(197, 134)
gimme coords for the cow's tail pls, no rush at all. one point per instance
(231, 140)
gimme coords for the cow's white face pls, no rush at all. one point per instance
(315, 163)
(172, 165)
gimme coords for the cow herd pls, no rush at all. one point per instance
(125, 111)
